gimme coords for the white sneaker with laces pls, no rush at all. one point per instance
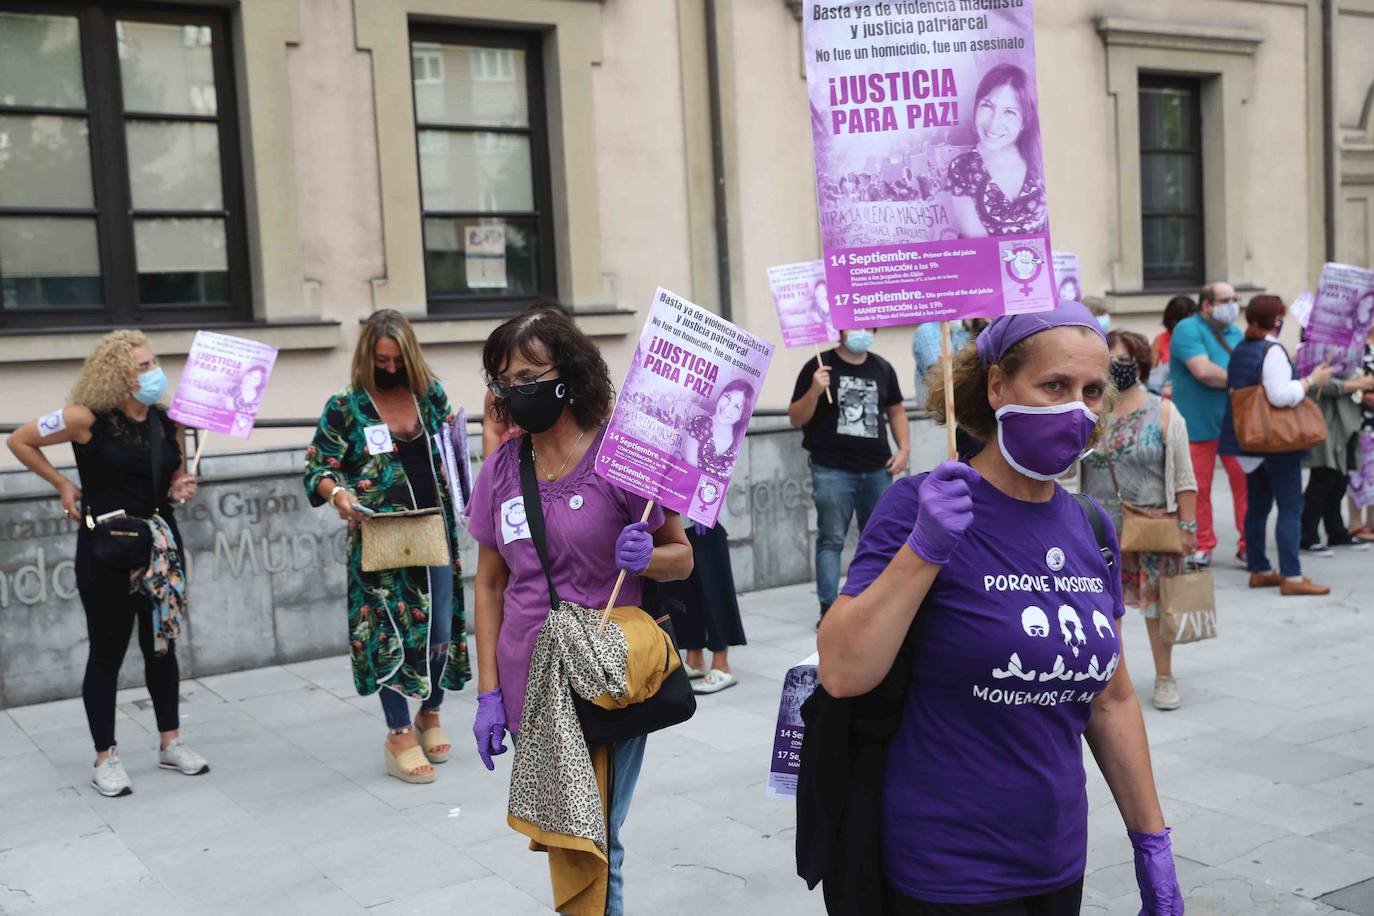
(177, 756)
(1166, 694)
(109, 778)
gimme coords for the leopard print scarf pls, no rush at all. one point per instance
(553, 785)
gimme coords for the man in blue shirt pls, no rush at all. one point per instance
(1199, 353)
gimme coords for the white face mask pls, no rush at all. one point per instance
(1224, 313)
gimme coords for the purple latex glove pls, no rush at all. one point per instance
(946, 511)
(634, 547)
(490, 726)
(1160, 894)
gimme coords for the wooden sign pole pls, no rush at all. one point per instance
(947, 362)
(828, 397)
(620, 580)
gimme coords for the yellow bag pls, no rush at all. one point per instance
(395, 540)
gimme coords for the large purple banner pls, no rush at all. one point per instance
(1362, 480)
(1341, 317)
(680, 419)
(929, 175)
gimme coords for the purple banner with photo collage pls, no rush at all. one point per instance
(929, 175)
(1342, 314)
(797, 686)
(799, 293)
(680, 419)
(222, 386)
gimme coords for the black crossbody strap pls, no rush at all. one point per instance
(1099, 528)
(534, 512)
(155, 449)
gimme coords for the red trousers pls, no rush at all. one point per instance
(1204, 456)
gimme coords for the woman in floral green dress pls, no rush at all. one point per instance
(1147, 442)
(377, 449)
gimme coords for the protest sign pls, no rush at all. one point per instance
(1067, 281)
(785, 765)
(799, 293)
(222, 386)
(1362, 479)
(680, 419)
(1341, 317)
(929, 176)
(1300, 309)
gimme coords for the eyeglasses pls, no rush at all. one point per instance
(525, 384)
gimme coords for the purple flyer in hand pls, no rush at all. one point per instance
(799, 293)
(929, 175)
(1341, 317)
(799, 684)
(680, 419)
(222, 386)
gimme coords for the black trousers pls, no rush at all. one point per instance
(704, 608)
(1322, 506)
(1064, 902)
(111, 613)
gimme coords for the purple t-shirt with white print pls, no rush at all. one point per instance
(985, 795)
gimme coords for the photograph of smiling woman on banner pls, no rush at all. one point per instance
(996, 188)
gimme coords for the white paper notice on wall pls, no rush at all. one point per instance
(484, 250)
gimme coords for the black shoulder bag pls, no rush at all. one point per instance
(673, 703)
(126, 543)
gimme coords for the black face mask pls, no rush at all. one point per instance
(1125, 374)
(538, 412)
(385, 380)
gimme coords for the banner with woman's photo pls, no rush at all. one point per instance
(929, 174)
(223, 383)
(1342, 314)
(680, 419)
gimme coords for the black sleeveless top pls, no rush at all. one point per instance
(415, 458)
(116, 467)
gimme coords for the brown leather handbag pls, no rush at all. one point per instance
(1265, 429)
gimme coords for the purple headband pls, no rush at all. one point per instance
(1006, 331)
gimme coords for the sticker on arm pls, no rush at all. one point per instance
(51, 424)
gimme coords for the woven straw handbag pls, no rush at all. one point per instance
(395, 540)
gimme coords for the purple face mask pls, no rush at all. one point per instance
(1044, 442)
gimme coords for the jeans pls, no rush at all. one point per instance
(626, 759)
(839, 496)
(1204, 456)
(1322, 506)
(1278, 480)
(394, 705)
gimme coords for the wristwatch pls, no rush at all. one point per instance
(1190, 527)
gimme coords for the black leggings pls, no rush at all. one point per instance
(1064, 902)
(1322, 506)
(110, 615)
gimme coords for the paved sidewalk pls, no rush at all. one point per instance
(1267, 774)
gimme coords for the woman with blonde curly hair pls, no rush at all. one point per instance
(128, 554)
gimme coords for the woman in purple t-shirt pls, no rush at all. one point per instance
(1014, 615)
(549, 378)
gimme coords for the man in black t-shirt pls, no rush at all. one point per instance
(851, 462)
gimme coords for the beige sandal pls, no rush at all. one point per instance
(431, 738)
(407, 765)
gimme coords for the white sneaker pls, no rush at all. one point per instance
(109, 778)
(1166, 694)
(177, 756)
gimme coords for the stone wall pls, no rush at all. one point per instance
(266, 570)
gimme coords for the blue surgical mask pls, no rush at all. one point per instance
(1104, 322)
(152, 385)
(858, 342)
(1224, 313)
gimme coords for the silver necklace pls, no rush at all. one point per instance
(554, 475)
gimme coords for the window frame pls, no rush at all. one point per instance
(1148, 80)
(111, 188)
(483, 305)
